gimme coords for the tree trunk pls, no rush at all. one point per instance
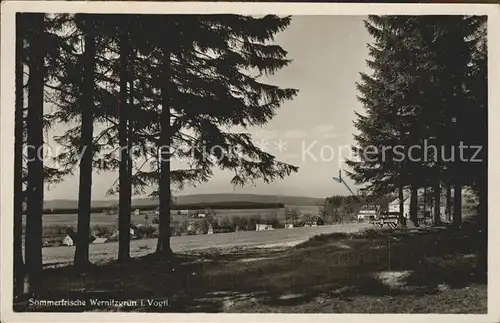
(18, 162)
(124, 181)
(457, 204)
(437, 204)
(425, 200)
(402, 219)
(33, 245)
(163, 249)
(448, 202)
(130, 142)
(81, 260)
(414, 205)
(482, 259)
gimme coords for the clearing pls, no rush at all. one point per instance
(109, 251)
(427, 270)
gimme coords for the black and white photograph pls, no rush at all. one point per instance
(204, 160)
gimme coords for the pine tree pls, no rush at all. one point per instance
(420, 94)
(201, 75)
(451, 35)
(26, 32)
(401, 206)
(478, 118)
(449, 99)
(33, 245)
(86, 148)
(91, 96)
(391, 119)
(18, 160)
(448, 202)
(125, 209)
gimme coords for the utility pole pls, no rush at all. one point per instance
(340, 180)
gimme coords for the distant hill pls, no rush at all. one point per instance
(195, 199)
(255, 198)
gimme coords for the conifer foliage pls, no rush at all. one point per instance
(427, 89)
(132, 92)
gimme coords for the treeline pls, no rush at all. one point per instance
(169, 85)
(228, 205)
(226, 224)
(191, 206)
(427, 88)
(338, 209)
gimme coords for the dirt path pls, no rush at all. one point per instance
(274, 238)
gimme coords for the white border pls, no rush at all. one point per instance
(7, 133)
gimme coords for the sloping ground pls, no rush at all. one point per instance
(100, 253)
(435, 270)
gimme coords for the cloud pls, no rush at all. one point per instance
(325, 131)
(330, 135)
(324, 128)
(289, 156)
(267, 134)
(295, 134)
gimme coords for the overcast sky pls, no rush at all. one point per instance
(328, 52)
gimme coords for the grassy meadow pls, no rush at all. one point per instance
(58, 224)
(425, 270)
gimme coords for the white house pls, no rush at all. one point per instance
(289, 226)
(133, 232)
(263, 227)
(202, 215)
(68, 241)
(367, 212)
(394, 207)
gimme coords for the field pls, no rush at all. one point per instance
(70, 219)
(104, 252)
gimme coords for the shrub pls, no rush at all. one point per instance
(145, 231)
(204, 226)
(183, 227)
(57, 230)
(225, 223)
(103, 231)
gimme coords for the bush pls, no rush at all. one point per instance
(225, 223)
(253, 221)
(145, 231)
(52, 243)
(204, 226)
(183, 227)
(57, 230)
(103, 231)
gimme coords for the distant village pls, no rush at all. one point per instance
(425, 208)
(207, 221)
(183, 222)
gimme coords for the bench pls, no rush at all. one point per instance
(390, 222)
